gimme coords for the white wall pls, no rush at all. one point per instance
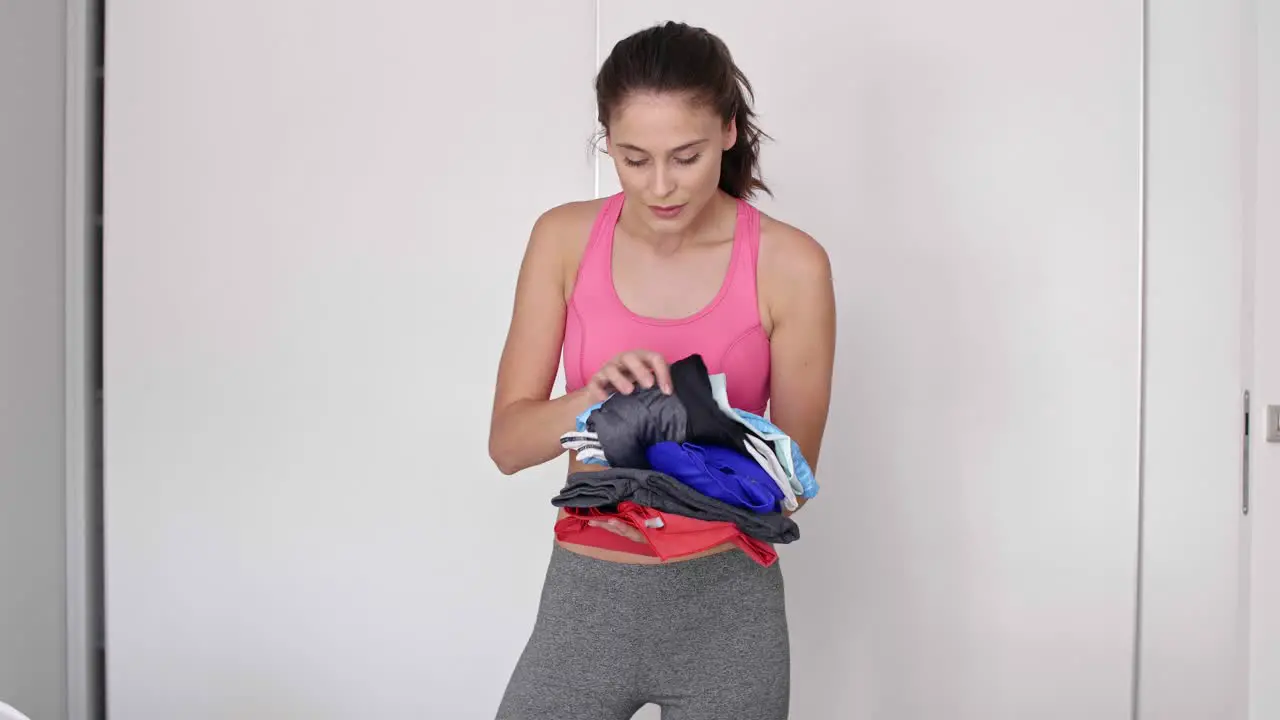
(32, 540)
(1192, 655)
(1265, 605)
(314, 215)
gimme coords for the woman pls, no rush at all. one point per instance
(677, 263)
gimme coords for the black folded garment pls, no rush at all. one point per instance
(608, 487)
(627, 425)
(708, 424)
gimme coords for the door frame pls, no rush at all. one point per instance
(82, 359)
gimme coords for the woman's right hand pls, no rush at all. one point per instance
(628, 370)
(617, 527)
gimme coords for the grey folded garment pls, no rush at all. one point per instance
(626, 425)
(662, 492)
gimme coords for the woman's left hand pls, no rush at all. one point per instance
(620, 528)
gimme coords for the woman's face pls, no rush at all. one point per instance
(667, 153)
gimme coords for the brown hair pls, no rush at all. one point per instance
(675, 57)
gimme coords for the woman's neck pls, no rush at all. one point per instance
(712, 224)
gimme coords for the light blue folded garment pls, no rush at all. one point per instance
(804, 473)
(582, 427)
(582, 417)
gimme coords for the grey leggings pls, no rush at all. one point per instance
(706, 639)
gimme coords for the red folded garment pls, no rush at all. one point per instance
(678, 537)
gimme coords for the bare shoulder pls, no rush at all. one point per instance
(791, 253)
(790, 260)
(562, 233)
(567, 226)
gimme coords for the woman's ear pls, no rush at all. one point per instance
(731, 133)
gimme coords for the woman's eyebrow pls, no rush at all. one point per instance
(686, 146)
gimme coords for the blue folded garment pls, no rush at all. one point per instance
(717, 472)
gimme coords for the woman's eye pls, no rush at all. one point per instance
(689, 160)
(634, 163)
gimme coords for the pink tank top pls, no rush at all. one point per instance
(727, 333)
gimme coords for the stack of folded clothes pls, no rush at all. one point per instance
(687, 470)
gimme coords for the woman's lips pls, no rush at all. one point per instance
(666, 212)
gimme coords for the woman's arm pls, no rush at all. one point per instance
(797, 288)
(526, 425)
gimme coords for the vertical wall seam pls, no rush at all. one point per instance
(1143, 151)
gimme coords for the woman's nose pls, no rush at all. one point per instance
(663, 183)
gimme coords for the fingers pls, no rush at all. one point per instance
(618, 527)
(661, 372)
(598, 387)
(638, 366)
(616, 376)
